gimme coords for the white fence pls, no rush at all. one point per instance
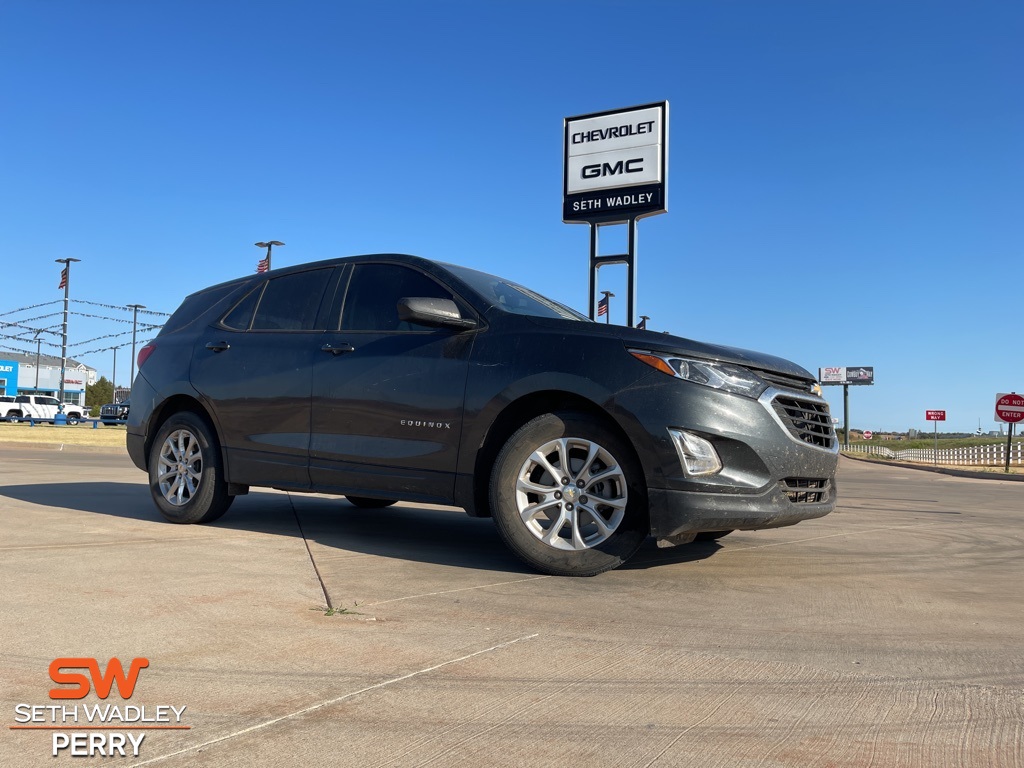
(976, 455)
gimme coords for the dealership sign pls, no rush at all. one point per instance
(858, 375)
(615, 164)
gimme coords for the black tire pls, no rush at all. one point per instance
(711, 535)
(563, 537)
(366, 503)
(74, 420)
(186, 449)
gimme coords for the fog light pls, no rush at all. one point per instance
(697, 455)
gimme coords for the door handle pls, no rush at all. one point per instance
(218, 346)
(337, 349)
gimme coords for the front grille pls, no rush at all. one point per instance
(807, 420)
(788, 382)
(802, 490)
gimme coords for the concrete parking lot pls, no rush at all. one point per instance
(302, 631)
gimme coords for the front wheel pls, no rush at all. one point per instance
(568, 496)
(74, 420)
(186, 477)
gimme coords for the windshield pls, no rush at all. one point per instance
(514, 298)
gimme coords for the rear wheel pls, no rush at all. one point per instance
(366, 503)
(186, 477)
(568, 497)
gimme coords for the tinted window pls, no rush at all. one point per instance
(371, 303)
(240, 318)
(48, 401)
(291, 302)
(193, 306)
(514, 298)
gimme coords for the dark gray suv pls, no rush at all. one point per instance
(393, 378)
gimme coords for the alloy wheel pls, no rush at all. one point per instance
(571, 493)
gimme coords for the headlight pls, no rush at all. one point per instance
(731, 378)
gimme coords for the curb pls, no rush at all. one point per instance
(939, 470)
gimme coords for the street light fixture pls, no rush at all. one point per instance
(66, 283)
(269, 245)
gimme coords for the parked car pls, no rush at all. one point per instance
(44, 408)
(393, 378)
(115, 413)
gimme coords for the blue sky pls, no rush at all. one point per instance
(846, 179)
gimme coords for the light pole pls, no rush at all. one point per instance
(38, 342)
(65, 283)
(135, 322)
(113, 376)
(269, 245)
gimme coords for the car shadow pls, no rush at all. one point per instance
(650, 555)
(419, 534)
(429, 535)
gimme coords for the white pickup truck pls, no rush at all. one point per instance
(40, 408)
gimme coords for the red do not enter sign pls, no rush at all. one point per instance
(1010, 407)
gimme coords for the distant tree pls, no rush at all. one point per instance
(98, 394)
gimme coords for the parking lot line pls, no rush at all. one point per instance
(335, 700)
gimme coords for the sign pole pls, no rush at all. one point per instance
(846, 415)
(1009, 442)
(935, 451)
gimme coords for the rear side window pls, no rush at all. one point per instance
(195, 305)
(371, 303)
(291, 302)
(240, 318)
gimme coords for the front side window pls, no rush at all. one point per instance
(514, 298)
(371, 303)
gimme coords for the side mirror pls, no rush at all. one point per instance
(437, 313)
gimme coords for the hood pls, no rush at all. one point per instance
(664, 342)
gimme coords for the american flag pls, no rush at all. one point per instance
(63, 279)
(602, 307)
(642, 325)
(263, 265)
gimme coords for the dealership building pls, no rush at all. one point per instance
(21, 375)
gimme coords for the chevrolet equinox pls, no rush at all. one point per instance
(393, 378)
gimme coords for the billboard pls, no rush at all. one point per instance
(861, 374)
(615, 164)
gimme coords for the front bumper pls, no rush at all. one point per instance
(778, 453)
(679, 512)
